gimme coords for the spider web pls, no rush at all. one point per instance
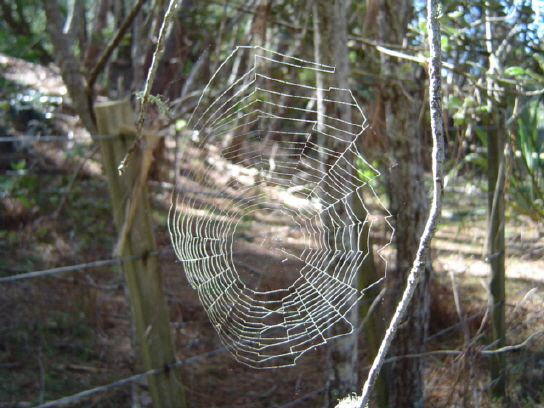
(267, 219)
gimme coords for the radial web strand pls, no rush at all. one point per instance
(267, 220)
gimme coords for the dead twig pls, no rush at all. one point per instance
(113, 44)
(506, 349)
(72, 180)
(373, 306)
(151, 141)
(149, 82)
(437, 126)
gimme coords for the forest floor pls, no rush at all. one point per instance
(68, 332)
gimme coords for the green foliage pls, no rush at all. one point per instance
(511, 69)
(515, 71)
(19, 183)
(64, 337)
(525, 171)
(180, 124)
(90, 214)
(23, 31)
(368, 172)
(527, 164)
(87, 216)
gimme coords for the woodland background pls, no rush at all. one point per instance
(70, 330)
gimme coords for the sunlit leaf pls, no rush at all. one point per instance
(514, 71)
(180, 124)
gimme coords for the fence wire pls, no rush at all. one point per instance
(78, 267)
(190, 360)
(54, 138)
(45, 272)
(136, 377)
(113, 261)
(117, 261)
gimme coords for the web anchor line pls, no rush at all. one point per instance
(261, 155)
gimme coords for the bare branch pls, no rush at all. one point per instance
(460, 71)
(149, 82)
(114, 43)
(72, 180)
(513, 348)
(69, 65)
(437, 126)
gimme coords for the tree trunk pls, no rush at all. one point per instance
(74, 26)
(496, 251)
(256, 33)
(70, 67)
(330, 39)
(96, 36)
(374, 328)
(495, 224)
(402, 94)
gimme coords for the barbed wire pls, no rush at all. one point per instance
(304, 398)
(70, 268)
(190, 360)
(112, 261)
(453, 327)
(83, 139)
(134, 378)
(54, 138)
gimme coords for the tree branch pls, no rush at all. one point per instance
(114, 43)
(296, 27)
(69, 65)
(20, 27)
(149, 82)
(418, 267)
(514, 347)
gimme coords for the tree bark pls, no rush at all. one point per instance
(496, 251)
(330, 44)
(16, 21)
(402, 94)
(374, 328)
(96, 38)
(69, 65)
(74, 26)
(495, 224)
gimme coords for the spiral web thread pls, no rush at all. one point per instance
(267, 221)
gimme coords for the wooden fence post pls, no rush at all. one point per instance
(148, 304)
